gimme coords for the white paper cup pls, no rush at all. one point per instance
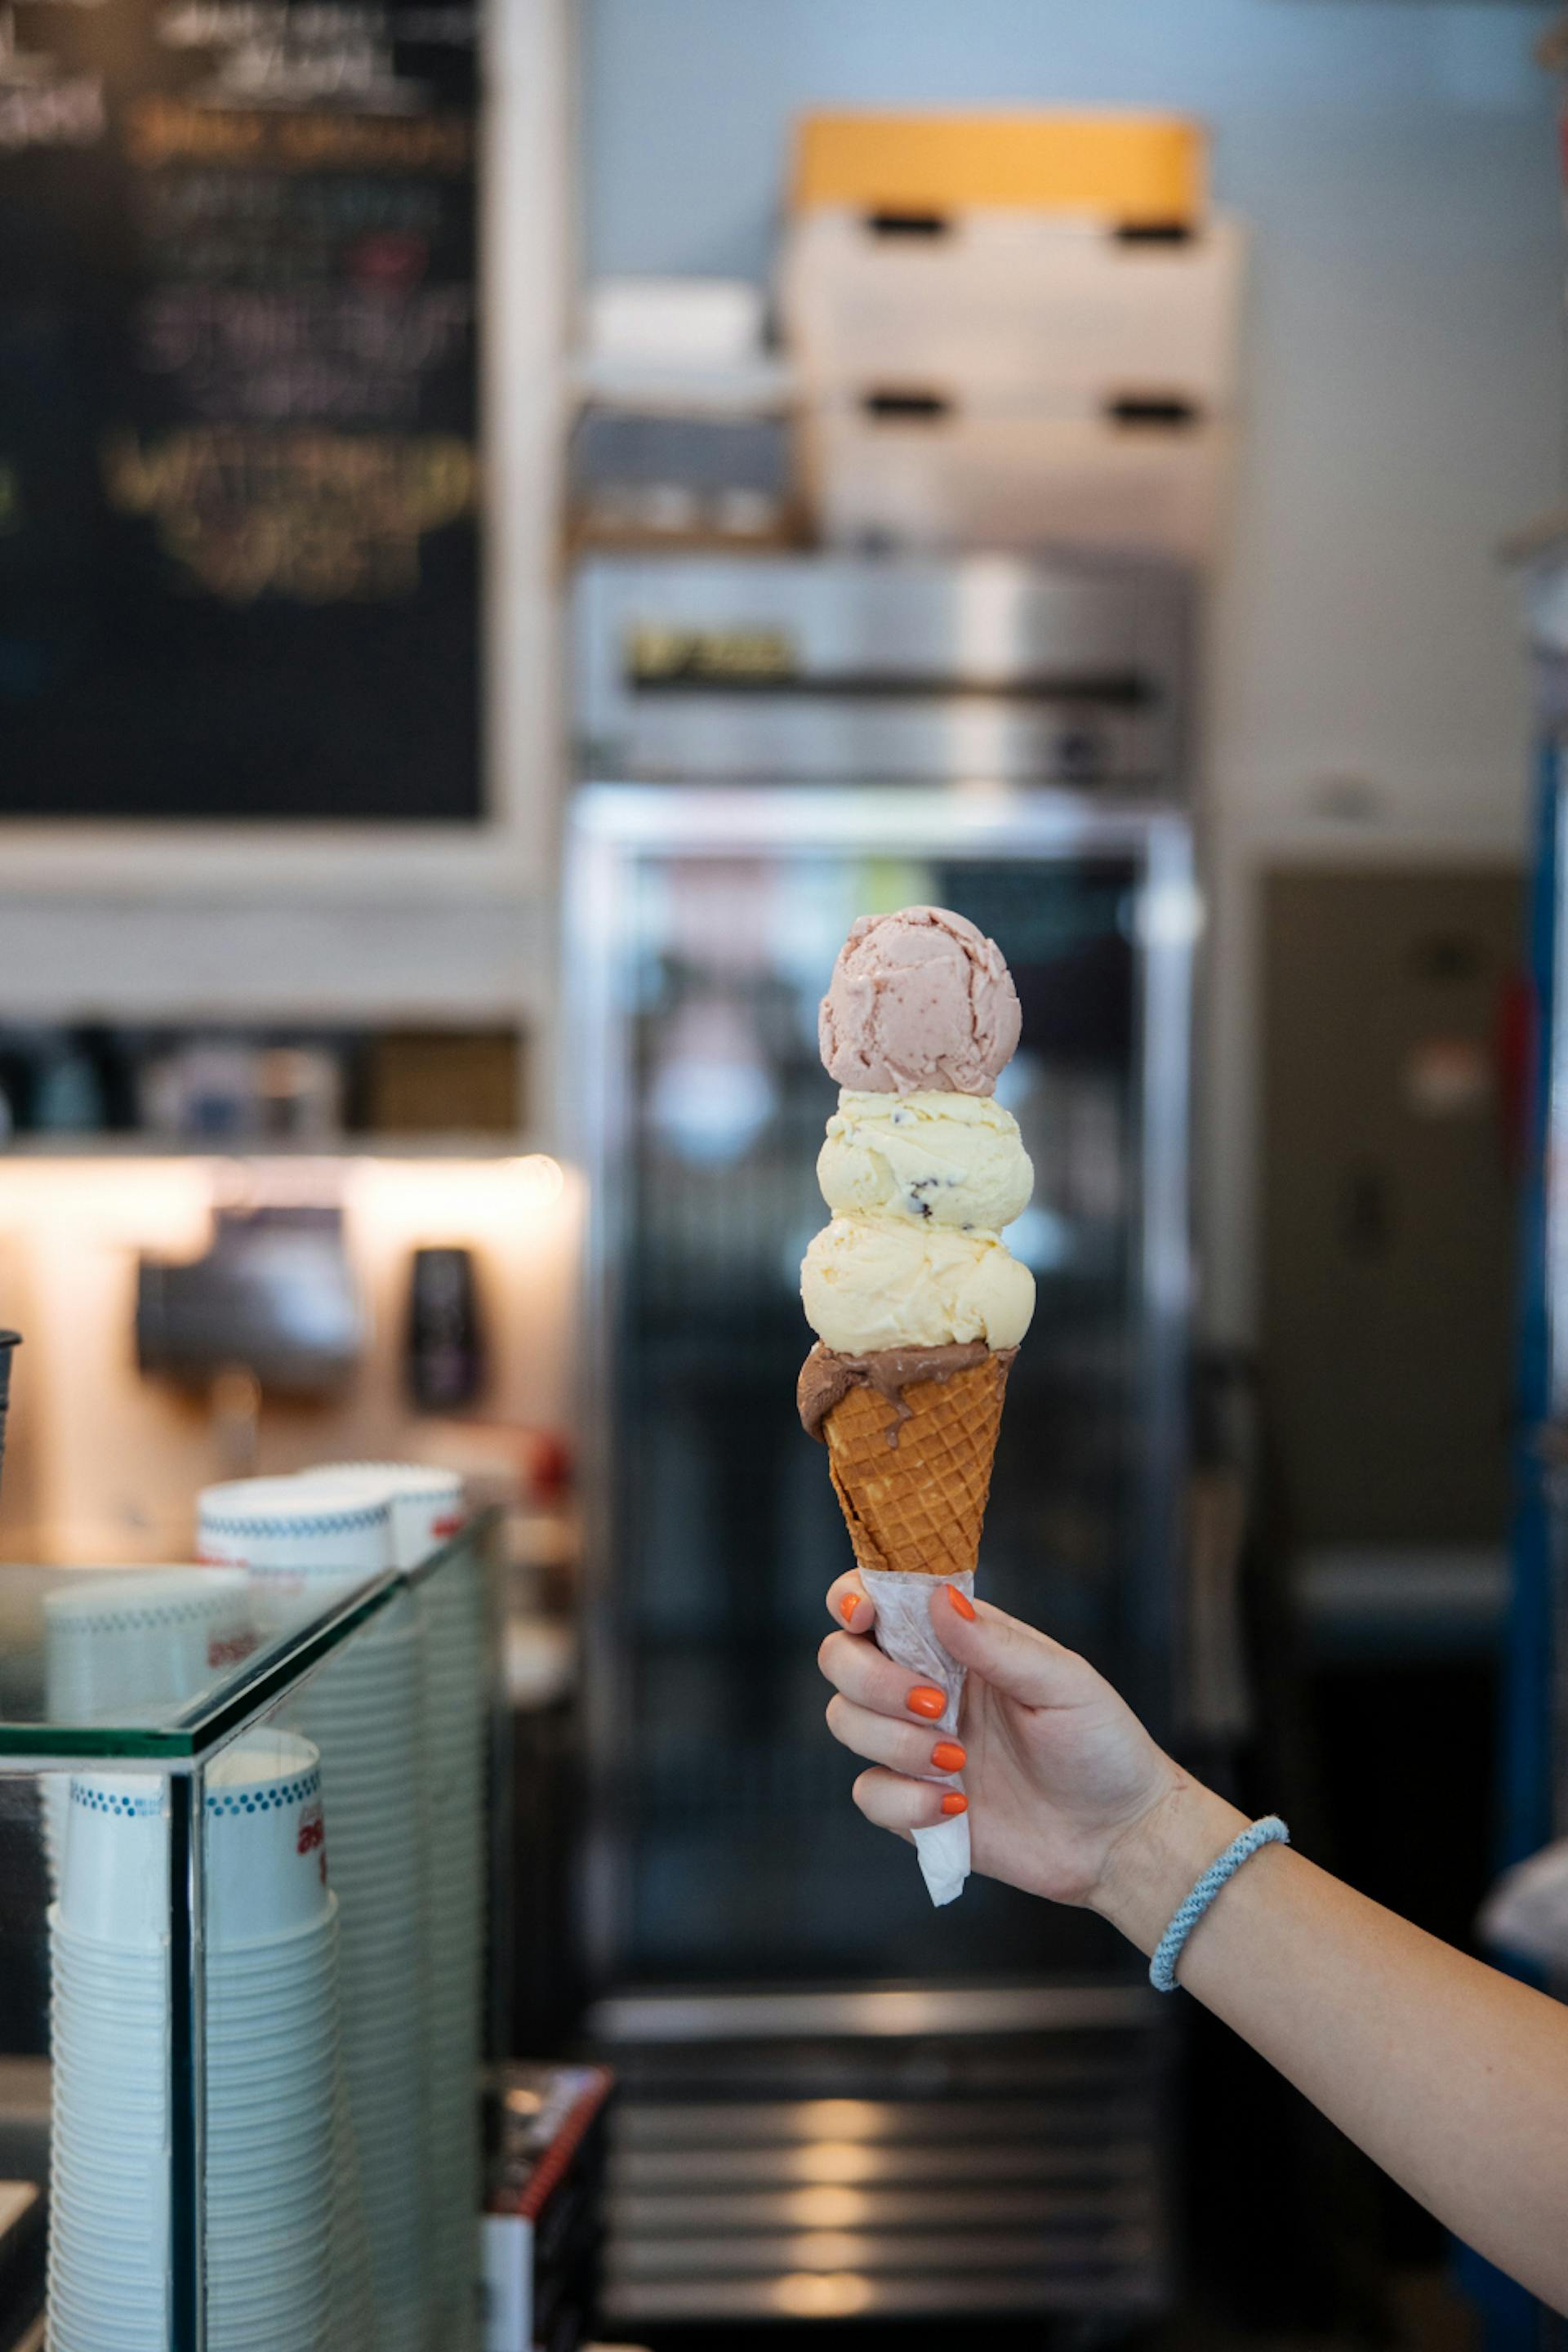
(105, 2122)
(281, 2146)
(124, 2167)
(90, 2195)
(286, 2042)
(363, 1709)
(135, 2004)
(140, 1638)
(108, 2176)
(127, 2314)
(259, 1996)
(141, 2189)
(277, 2143)
(90, 1959)
(115, 1645)
(265, 1839)
(281, 2201)
(272, 2130)
(279, 2010)
(429, 1505)
(301, 1949)
(112, 2071)
(114, 1877)
(284, 1527)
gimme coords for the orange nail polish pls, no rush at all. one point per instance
(924, 1699)
(847, 1606)
(960, 1602)
(948, 1756)
(955, 1802)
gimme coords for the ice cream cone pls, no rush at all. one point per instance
(917, 1302)
(912, 1471)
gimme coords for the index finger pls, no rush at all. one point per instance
(849, 1604)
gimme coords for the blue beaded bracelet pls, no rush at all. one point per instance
(1270, 1831)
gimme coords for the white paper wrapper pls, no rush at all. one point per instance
(904, 1634)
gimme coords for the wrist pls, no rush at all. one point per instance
(1157, 1859)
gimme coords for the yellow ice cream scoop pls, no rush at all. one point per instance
(894, 1282)
(946, 1159)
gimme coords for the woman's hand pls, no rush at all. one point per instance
(1451, 2076)
(1057, 1768)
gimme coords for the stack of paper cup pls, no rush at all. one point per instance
(362, 1712)
(456, 1724)
(271, 2061)
(116, 1646)
(363, 1709)
(109, 2218)
(428, 1507)
(272, 2050)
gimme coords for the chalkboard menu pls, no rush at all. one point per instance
(239, 512)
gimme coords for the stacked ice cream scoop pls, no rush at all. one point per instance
(918, 1305)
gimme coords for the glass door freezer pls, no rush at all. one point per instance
(702, 923)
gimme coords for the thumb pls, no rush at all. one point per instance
(1013, 1657)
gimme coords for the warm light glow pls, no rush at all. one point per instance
(833, 2159)
(437, 1200)
(159, 1204)
(826, 2209)
(839, 2118)
(293, 1183)
(833, 2294)
(826, 2250)
(541, 1181)
(158, 1201)
(525, 1210)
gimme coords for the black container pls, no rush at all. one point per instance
(9, 1341)
(446, 1366)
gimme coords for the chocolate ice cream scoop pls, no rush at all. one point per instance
(826, 1378)
(918, 998)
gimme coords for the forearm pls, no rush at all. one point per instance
(1451, 2076)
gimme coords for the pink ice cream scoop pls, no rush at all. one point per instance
(918, 998)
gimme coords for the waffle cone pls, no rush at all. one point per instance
(914, 1485)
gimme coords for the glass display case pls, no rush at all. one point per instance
(243, 1859)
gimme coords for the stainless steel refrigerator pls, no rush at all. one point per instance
(818, 2066)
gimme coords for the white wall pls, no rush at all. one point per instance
(1396, 164)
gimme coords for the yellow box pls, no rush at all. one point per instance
(1139, 169)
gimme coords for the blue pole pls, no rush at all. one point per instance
(1513, 2317)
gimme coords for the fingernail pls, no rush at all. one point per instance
(948, 1756)
(955, 1802)
(960, 1602)
(847, 1606)
(926, 1700)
